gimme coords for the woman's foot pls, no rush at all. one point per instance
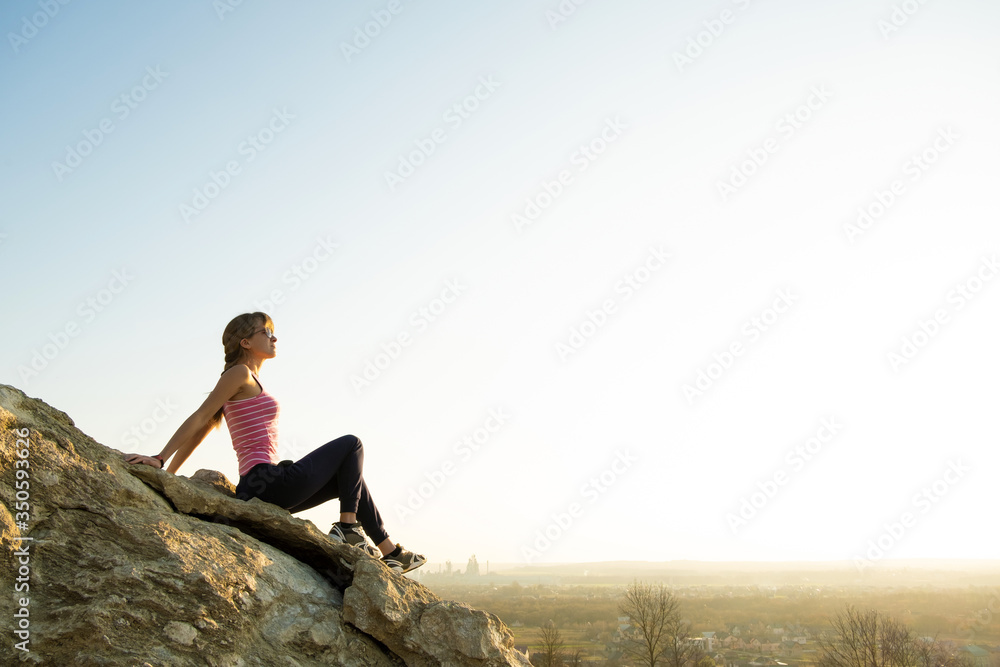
(400, 560)
(354, 535)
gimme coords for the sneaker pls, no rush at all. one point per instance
(354, 535)
(405, 561)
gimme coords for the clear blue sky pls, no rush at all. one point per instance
(621, 247)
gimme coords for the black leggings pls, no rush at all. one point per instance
(331, 471)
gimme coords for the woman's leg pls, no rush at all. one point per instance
(367, 512)
(331, 471)
(371, 521)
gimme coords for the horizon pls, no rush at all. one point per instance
(922, 563)
(665, 281)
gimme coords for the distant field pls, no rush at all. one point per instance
(587, 614)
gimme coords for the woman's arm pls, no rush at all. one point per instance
(196, 427)
(187, 438)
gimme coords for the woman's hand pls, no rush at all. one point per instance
(139, 458)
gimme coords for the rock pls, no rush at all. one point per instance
(420, 627)
(216, 480)
(127, 564)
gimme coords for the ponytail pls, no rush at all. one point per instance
(240, 327)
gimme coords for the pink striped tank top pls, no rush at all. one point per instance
(253, 426)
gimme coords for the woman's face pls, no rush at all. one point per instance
(262, 342)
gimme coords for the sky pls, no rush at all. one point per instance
(590, 280)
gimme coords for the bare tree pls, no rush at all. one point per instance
(869, 639)
(550, 654)
(680, 651)
(932, 654)
(658, 630)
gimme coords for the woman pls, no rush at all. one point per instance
(332, 471)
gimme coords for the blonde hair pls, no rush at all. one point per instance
(240, 327)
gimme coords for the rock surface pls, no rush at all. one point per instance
(129, 565)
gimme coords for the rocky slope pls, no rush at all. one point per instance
(128, 565)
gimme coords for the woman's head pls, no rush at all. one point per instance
(238, 338)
